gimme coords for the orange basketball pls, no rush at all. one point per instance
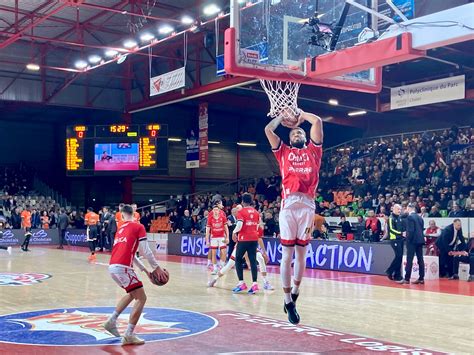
(155, 279)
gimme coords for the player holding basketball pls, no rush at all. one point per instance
(91, 220)
(299, 167)
(217, 235)
(130, 237)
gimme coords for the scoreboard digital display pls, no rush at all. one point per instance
(117, 149)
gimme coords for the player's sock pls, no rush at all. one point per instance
(114, 316)
(264, 278)
(240, 283)
(130, 329)
(230, 264)
(285, 270)
(209, 262)
(255, 283)
(300, 267)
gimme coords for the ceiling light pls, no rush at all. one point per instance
(247, 144)
(121, 59)
(174, 139)
(33, 67)
(357, 113)
(213, 142)
(186, 20)
(147, 37)
(165, 29)
(111, 53)
(333, 102)
(211, 9)
(81, 64)
(129, 43)
(94, 59)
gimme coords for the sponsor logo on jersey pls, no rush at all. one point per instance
(83, 326)
(21, 279)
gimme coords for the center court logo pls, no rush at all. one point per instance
(23, 279)
(83, 326)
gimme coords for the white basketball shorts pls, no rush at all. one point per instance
(218, 243)
(296, 220)
(125, 277)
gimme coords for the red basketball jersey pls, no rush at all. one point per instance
(126, 243)
(299, 168)
(250, 219)
(217, 225)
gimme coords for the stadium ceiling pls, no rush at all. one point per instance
(53, 35)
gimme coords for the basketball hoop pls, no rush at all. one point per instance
(283, 96)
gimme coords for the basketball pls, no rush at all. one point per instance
(155, 278)
(290, 119)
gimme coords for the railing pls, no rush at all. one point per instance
(230, 188)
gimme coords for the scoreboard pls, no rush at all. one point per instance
(117, 149)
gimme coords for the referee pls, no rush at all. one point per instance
(396, 232)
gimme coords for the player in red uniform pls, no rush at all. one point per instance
(217, 236)
(262, 259)
(299, 167)
(247, 229)
(130, 237)
(209, 254)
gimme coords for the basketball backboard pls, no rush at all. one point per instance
(273, 36)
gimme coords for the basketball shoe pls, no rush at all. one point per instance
(254, 289)
(240, 287)
(268, 286)
(132, 340)
(111, 327)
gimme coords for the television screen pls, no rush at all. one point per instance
(116, 157)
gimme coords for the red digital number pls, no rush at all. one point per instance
(153, 133)
(80, 134)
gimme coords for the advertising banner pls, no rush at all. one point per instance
(367, 258)
(167, 82)
(203, 135)
(15, 237)
(428, 92)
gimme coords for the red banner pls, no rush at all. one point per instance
(203, 135)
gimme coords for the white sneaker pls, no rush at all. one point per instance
(212, 283)
(268, 286)
(132, 340)
(9, 250)
(215, 271)
(111, 327)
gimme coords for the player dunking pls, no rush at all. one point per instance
(130, 237)
(299, 167)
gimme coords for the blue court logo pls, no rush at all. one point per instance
(83, 326)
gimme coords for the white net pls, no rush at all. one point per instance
(283, 97)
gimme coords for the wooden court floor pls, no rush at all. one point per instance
(350, 316)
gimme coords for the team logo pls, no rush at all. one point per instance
(83, 326)
(24, 279)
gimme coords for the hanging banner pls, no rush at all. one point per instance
(192, 148)
(428, 92)
(167, 82)
(203, 135)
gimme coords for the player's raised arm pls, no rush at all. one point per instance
(316, 132)
(270, 132)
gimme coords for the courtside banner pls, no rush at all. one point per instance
(367, 258)
(428, 92)
(14, 237)
(167, 82)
